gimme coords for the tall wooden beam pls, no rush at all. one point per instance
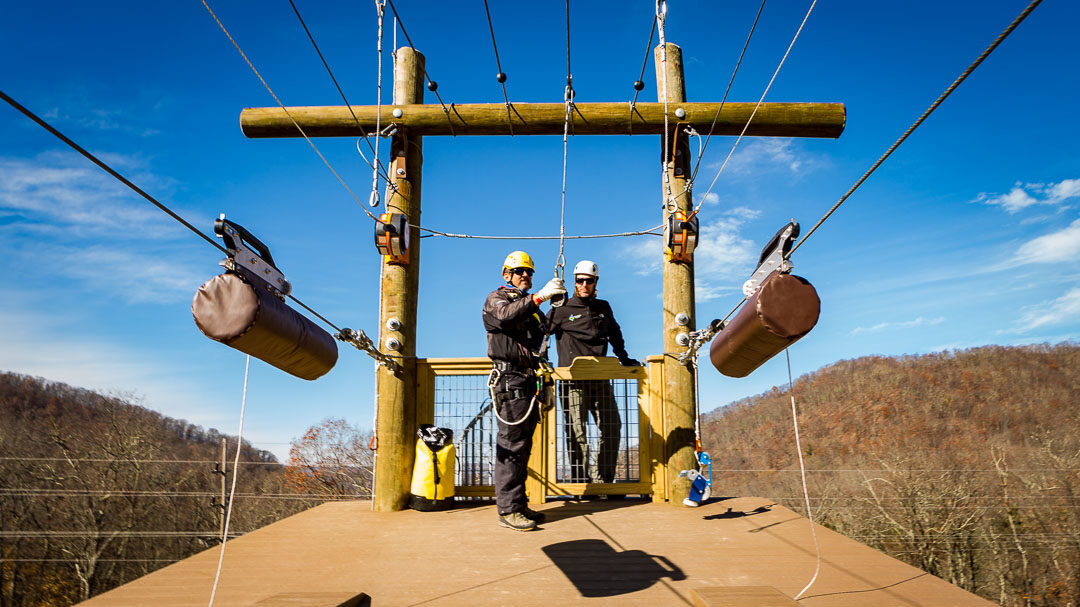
(396, 399)
(679, 408)
(771, 119)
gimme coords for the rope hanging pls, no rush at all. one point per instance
(756, 107)
(661, 19)
(568, 103)
(373, 200)
(232, 490)
(802, 470)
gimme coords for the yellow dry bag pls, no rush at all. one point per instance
(433, 471)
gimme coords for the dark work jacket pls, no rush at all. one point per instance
(515, 327)
(585, 327)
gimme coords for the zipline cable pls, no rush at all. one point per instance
(284, 109)
(232, 491)
(139, 191)
(705, 145)
(431, 84)
(933, 106)
(108, 169)
(363, 135)
(756, 107)
(649, 232)
(641, 77)
(500, 76)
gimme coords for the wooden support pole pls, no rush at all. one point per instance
(679, 407)
(771, 119)
(397, 393)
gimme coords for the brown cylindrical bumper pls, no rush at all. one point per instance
(782, 310)
(254, 321)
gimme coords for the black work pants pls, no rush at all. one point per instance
(514, 394)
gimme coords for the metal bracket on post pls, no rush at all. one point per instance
(679, 151)
(773, 257)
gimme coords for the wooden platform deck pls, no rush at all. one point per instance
(622, 552)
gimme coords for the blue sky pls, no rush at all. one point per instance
(967, 236)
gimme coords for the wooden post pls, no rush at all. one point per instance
(678, 282)
(397, 393)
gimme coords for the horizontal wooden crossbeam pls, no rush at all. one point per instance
(771, 119)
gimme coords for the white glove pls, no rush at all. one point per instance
(553, 287)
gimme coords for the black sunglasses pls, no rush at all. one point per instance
(585, 281)
(522, 272)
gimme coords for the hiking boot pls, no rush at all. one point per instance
(534, 516)
(517, 521)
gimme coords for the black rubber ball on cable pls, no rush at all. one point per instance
(501, 77)
(432, 85)
(638, 85)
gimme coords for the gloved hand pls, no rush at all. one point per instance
(553, 287)
(629, 362)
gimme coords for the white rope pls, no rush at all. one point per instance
(802, 470)
(380, 9)
(232, 490)
(760, 101)
(661, 18)
(568, 101)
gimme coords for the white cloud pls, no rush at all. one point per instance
(909, 324)
(1063, 309)
(709, 199)
(767, 154)
(722, 261)
(1069, 188)
(65, 190)
(1061, 246)
(1022, 196)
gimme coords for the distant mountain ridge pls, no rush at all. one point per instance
(964, 463)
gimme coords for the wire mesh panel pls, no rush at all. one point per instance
(463, 404)
(597, 431)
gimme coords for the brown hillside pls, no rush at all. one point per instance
(966, 464)
(96, 491)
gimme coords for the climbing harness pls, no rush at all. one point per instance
(493, 381)
(245, 309)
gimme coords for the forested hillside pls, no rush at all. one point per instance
(96, 491)
(966, 464)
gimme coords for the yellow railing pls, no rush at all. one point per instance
(542, 482)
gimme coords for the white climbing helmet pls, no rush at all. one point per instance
(587, 267)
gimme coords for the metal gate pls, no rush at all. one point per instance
(611, 448)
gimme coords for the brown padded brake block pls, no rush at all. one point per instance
(254, 321)
(784, 309)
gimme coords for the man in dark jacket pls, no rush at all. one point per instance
(584, 327)
(515, 332)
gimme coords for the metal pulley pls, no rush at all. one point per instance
(680, 236)
(392, 238)
(781, 308)
(245, 309)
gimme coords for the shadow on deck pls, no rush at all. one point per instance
(620, 552)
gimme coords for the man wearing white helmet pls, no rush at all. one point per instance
(585, 326)
(515, 333)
